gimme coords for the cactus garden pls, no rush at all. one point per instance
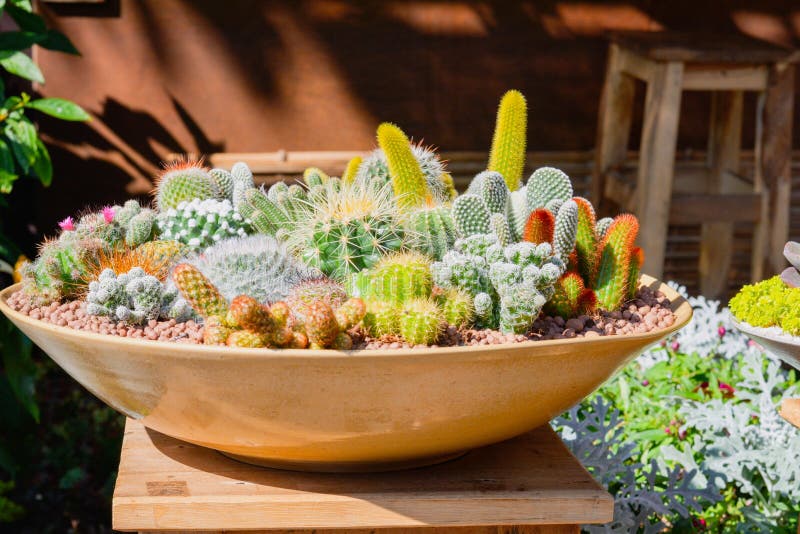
(387, 255)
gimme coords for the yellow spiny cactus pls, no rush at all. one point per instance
(408, 180)
(351, 170)
(508, 146)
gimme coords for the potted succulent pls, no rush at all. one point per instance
(370, 321)
(769, 311)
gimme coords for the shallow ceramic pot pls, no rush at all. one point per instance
(784, 348)
(341, 411)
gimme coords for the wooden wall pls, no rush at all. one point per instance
(205, 76)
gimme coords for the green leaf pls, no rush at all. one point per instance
(21, 65)
(72, 478)
(13, 41)
(6, 158)
(7, 180)
(25, 19)
(23, 137)
(42, 165)
(20, 370)
(60, 108)
(55, 40)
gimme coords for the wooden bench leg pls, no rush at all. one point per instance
(657, 162)
(724, 147)
(776, 161)
(614, 123)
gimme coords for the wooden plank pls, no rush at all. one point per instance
(614, 123)
(657, 161)
(523, 529)
(722, 208)
(710, 78)
(165, 484)
(636, 65)
(724, 147)
(776, 161)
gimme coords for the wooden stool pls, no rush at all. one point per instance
(670, 63)
(530, 484)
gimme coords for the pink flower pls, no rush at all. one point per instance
(675, 345)
(727, 389)
(108, 214)
(721, 331)
(67, 224)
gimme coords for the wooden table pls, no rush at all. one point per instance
(530, 484)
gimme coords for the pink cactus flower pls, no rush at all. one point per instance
(108, 214)
(67, 224)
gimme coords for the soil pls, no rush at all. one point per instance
(649, 311)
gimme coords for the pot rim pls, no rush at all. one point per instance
(679, 305)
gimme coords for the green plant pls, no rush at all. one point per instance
(408, 181)
(347, 228)
(201, 294)
(202, 223)
(374, 170)
(185, 181)
(432, 230)
(395, 279)
(420, 321)
(256, 265)
(134, 297)
(508, 145)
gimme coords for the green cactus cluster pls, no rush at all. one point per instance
(509, 284)
(256, 265)
(248, 323)
(135, 298)
(399, 298)
(138, 223)
(431, 230)
(202, 223)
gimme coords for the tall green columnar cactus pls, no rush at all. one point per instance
(471, 215)
(586, 240)
(432, 230)
(508, 145)
(545, 185)
(565, 230)
(199, 292)
(493, 191)
(395, 279)
(265, 216)
(614, 266)
(184, 181)
(408, 181)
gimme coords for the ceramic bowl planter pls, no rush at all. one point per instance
(341, 411)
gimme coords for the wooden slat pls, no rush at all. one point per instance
(705, 78)
(165, 484)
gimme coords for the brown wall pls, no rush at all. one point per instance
(166, 76)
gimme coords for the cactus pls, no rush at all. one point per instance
(509, 284)
(381, 318)
(566, 229)
(352, 169)
(134, 297)
(395, 279)
(499, 226)
(586, 240)
(614, 263)
(432, 229)
(201, 223)
(199, 292)
(314, 176)
(408, 181)
(493, 191)
(324, 329)
(242, 178)
(374, 170)
(571, 297)
(508, 145)
(159, 256)
(321, 290)
(184, 181)
(224, 181)
(540, 227)
(248, 313)
(602, 226)
(60, 270)
(420, 322)
(255, 265)
(266, 215)
(141, 228)
(457, 307)
(545, 185)
(347, 230)
(517, 212)
(215, 331)
(470, 215)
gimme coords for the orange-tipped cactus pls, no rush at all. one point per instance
(199, 292)
(247, 339)
(614, 262)
(215, 332)
(350, 313)
(249, 314)
(572, 297)
(321, 325)
(540, 227)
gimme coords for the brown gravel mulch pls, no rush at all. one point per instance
(649, 311)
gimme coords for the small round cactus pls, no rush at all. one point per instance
(185, 181)
(420, 322)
